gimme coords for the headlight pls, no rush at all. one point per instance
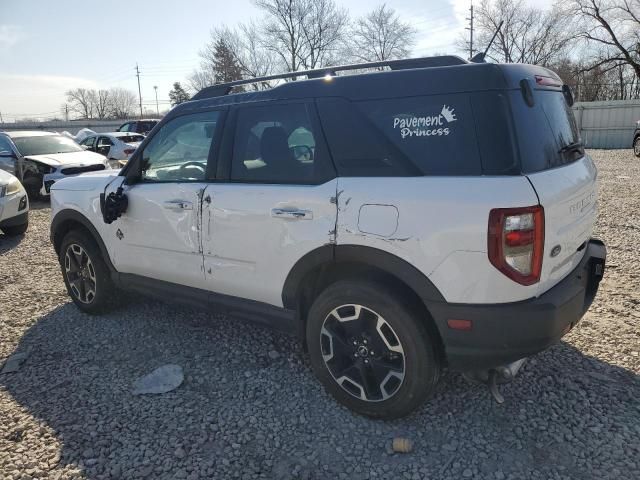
(14, 186)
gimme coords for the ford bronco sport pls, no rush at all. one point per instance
(435, 214)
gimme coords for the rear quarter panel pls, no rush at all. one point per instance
(440, 228)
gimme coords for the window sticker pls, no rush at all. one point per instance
(426, 126)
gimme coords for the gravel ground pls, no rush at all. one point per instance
(250, 407)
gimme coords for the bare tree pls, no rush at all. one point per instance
(244, 45)
(282, 31)
(81, 102)
(101, 103)
(303, 33)
(612, 29)
(122, 102)
(528, 34)
(381, 35)
(324, 28)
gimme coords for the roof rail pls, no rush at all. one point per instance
(222, 89)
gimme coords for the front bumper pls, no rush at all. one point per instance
(503, 333)
(20, 219)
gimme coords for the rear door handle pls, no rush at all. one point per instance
(178, 205)
(293, 213)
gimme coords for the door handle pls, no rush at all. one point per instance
(178, 205)
(294, 213)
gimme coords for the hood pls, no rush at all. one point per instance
(79, 159)
(86, 181)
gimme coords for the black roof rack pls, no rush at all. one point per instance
(222, 89)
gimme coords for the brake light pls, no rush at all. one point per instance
(129, 151)
(516, 242)
(547, 81)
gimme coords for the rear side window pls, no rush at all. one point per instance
(544, 129)
(431, 135)
(278, 143)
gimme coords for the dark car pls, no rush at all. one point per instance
(139, 126)
(636, 140)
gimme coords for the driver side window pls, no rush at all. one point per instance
(179, 151)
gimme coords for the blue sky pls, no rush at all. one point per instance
(47, 47)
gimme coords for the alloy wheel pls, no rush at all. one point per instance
(362, 352)
(80, 273)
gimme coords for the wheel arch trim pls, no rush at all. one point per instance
(380, 259)
(69, 216)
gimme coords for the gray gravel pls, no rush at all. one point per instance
(249, 406)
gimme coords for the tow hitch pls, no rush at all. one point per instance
(496, 376)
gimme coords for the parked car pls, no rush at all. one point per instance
(636, 140)
(116, 146)
(14, 205)
(139, 126)
(438, 214)
(40, 158)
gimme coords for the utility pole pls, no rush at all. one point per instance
(470, 28)
(1, 120)
(139, 91)
(66, 112)
(155, 87)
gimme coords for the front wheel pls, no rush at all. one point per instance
(370, 350)
(85, 273)
(636, 146)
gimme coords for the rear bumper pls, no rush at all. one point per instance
(502, 333)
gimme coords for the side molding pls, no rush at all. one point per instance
(73, 216)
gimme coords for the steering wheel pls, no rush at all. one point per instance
(199, 165)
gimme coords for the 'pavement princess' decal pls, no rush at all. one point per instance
(426, 126)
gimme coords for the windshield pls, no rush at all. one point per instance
(45, 144)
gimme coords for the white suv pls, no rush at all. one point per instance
(435, 215)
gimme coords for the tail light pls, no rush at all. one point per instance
(129, 151)
(516, 242)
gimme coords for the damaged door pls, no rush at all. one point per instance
(159, 235)
(273, 202)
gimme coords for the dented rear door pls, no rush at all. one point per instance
(272, 203)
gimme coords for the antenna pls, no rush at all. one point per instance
(479, 58)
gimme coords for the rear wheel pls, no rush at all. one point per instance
(85, 273)
(15, 230)
(636, 146)
(370, 350)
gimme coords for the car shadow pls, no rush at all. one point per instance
(243, 407)
(9, 243)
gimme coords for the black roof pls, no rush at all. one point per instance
(406, 82)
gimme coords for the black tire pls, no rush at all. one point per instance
(420, 361)
(92, 273)
(32, 184)
(636, 146)
(16, 230)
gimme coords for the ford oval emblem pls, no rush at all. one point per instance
(555, 251)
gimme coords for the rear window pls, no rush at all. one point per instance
(544, 131)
